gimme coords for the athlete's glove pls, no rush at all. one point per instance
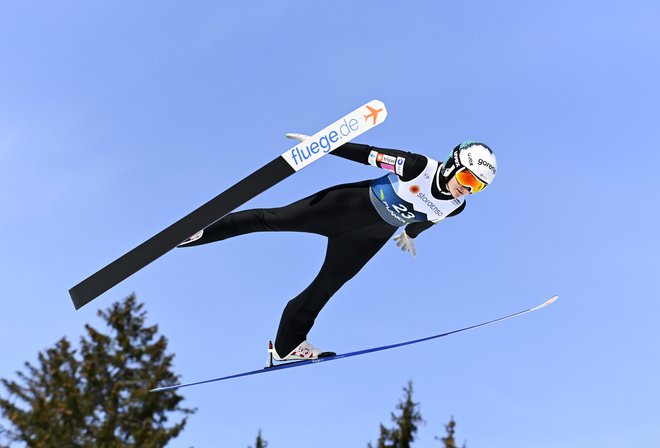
(405, 243)
(299, 137)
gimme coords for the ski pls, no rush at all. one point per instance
(355, 353)
(291, 161)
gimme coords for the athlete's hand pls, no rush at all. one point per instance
(405, 243)
(299, 137)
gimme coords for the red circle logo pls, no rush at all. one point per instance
(414, 189)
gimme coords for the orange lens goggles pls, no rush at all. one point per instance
(467, 179)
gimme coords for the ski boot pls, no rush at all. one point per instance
(189, 240)
(305, 351)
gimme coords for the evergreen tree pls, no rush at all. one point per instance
(260, 443)
(97, 396)
(449, 441)
(403, 433)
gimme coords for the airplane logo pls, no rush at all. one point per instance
(374, 113)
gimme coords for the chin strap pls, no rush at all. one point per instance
(442, 185)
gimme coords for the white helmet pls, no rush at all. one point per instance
(473, 156)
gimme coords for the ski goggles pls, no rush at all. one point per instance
(469, 180)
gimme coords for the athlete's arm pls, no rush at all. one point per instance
(406, 165)
(415, 228)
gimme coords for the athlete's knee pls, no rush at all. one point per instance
(334, 279)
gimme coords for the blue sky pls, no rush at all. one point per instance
(117, 118)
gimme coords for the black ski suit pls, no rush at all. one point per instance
(346, 216)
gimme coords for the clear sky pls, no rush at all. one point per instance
(118, 118)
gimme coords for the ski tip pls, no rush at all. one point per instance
(551, 300)
(548, 302)
(377, 112)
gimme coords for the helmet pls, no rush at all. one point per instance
(475, 157)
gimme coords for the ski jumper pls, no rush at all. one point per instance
(357, 218)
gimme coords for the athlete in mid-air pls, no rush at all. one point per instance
(358, 219)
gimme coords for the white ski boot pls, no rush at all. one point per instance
(304, 351)
(195, 237)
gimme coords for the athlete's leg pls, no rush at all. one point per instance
(327, 212)
(346, 255)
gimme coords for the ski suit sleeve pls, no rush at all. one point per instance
(414, 229)
(406, 165)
